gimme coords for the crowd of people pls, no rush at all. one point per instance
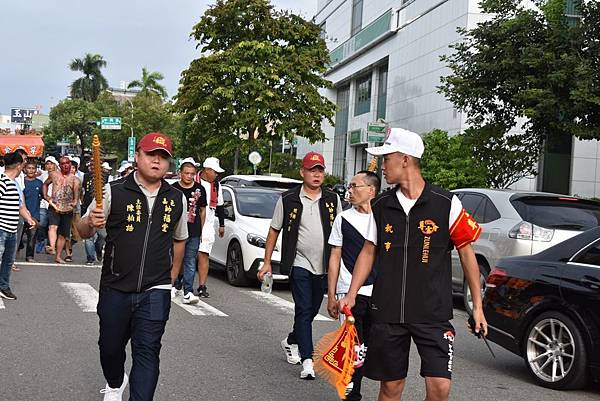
(386, 258)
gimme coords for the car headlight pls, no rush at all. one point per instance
(258, 241)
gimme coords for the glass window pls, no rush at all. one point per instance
(591, 256)
(471, 203)
(257, 204)
(357, 10)
(362, 104)
(340, 138)
(491, 213)
(558, 213)
(382, 92)
(228, 204)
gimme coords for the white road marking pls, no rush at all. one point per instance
(84, 295)
(1, 304)
(280, 303)
(199, 309)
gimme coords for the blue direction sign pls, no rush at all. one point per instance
(110, 123)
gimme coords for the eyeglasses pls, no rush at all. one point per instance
(354, 186)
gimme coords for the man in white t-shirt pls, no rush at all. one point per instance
(214, 195)
(347, 239)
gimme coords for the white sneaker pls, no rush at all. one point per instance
(175, 292)
(115, 394)
(291, 352)
(190, 298)
(308, 370)
(349, 388)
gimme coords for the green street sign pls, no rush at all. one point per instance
(110, 123)
(130, 148)
(355, 137)
(376, 132)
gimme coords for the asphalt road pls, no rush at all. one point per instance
(48, 349)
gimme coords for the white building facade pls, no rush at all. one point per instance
(385, 66)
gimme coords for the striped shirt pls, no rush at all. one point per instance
(9, 204)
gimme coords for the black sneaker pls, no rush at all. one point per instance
(7, 294)
(202, 292)
(90, 262)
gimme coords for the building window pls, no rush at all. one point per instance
(357, 11)
(363, 95)
(382, 92)
(340, 138)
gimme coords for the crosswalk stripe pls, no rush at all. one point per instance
(199, 309)
(280, 303)
(1, 304)
(84, 295)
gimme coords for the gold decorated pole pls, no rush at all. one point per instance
(373, 165)
(97, 171)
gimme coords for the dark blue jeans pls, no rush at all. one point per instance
(140, 318)
(307, 291)
(8, 247)
(190, 258)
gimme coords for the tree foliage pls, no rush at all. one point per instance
(537, 64)
(258, 74)
(93, 82)
(449, 162)
(74, 120)
(149, 83)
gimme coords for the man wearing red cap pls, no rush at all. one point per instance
(305, 214)
(144, 218)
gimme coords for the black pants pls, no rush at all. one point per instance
(140, 318)
(362, 316)
(31, 238)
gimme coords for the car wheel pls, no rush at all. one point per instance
(467, 296)
(554, 352)
(235, 265)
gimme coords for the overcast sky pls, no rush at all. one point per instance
(41, 37)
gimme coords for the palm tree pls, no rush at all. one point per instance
(149, 83)
(93, 82)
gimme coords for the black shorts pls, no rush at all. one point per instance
(62, 220)
(389, 347)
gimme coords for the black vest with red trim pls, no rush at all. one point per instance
(138, 251)
(292, 214)
(414, 277)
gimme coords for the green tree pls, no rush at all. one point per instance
(149, 83)
(93, 82)
(534, 64)
(449, 162)
(69, 119)
(258, 75)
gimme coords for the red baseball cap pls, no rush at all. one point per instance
(313, 159)
(156, 141)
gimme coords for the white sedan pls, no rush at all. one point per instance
(248, 213)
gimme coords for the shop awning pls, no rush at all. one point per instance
(32, 144)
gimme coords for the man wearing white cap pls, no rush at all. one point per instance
(125, 169)
(214, 195)
(411, 232)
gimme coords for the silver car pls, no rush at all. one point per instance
(519, 223)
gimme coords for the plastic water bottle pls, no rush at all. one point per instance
(267, 283)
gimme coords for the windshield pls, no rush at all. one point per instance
(561, 214)
(257, 204)
(271, 184)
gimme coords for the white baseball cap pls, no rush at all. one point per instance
(212, 162)
(400, 140)
(50, 159)
(74, 159)
(189, 160)
(124, 166)
(106, 166)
